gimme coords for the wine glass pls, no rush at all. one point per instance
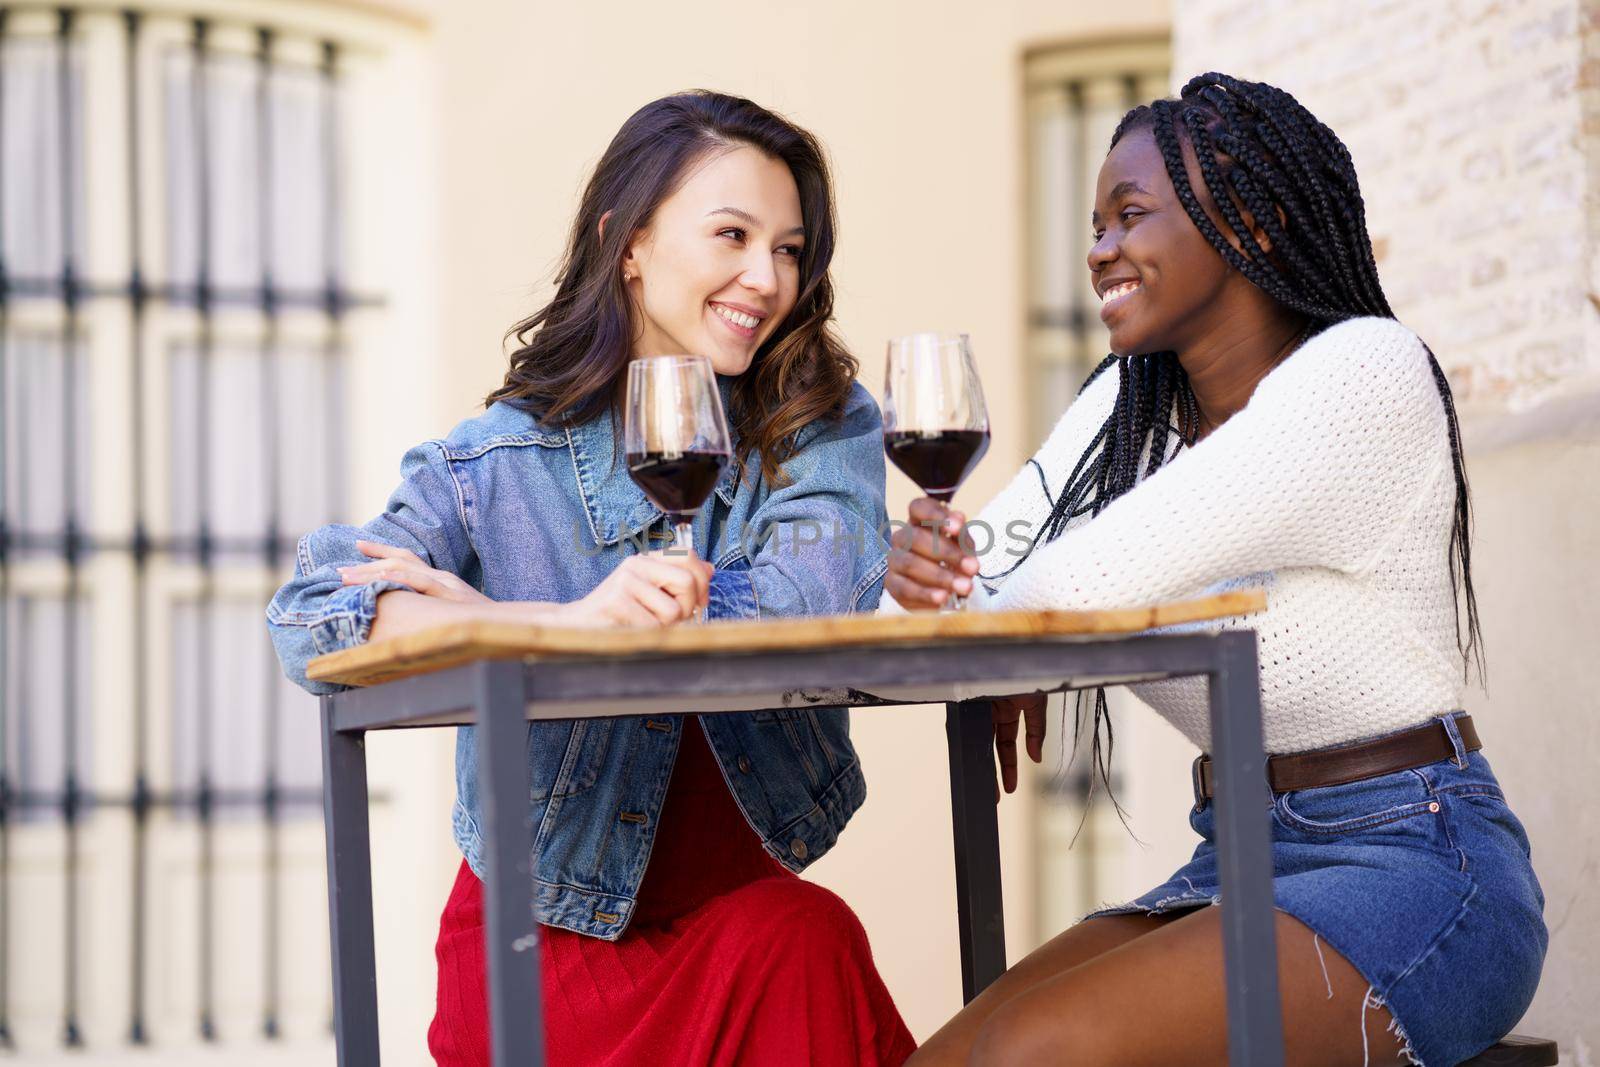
(935, 425)
(676, 437)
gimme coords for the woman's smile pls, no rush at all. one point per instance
(1115, 296)
(741, 320)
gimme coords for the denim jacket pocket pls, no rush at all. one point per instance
(775, 715)
(791, 729)
(567, 758)
(733, 593)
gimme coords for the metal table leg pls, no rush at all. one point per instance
(516, 1014)
(355, 983)
(1244, 855)
(969, 730)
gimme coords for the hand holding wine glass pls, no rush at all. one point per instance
(935, 429)
(646, 590)
(676, 437)
(931, 565)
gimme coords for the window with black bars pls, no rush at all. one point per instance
(1076, 95)
(173, 337)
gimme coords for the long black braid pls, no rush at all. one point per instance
(1256, 146)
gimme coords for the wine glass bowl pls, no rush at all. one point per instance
(677, 483)
(937, 460)
(675, 435)
(935, 424)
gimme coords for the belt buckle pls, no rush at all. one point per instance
(1199, 782)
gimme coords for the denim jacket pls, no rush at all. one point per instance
(525, 511)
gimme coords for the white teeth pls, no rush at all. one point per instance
(738, 318)
(1118, 290)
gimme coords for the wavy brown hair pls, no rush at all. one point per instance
(571, 361)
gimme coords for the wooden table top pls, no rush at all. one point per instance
(458, 643)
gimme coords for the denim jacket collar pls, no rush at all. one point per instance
(616, 507)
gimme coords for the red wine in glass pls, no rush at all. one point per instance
(935, 425)
(677, 482)
(675, 435)
(937, 460)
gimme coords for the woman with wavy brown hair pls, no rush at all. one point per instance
(675, 929)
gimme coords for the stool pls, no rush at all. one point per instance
(1516, 1051)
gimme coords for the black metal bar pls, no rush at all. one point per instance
(23, 287)
(1075, 322)
(330, 175)
(6, 800)
(268, 384)
(436, 698)
(1077, 310)
(1079, 196)
(427, 696)
(24, 602)
(177, 801)
(334, 304)
(6, 1041)
(140, 543)
(516, 1013)
(355, 980)
(205, 601)
(858, 671)
(1130, 90)
(969, 730)
(1244, 854)
(24, 664)
(72, 1031)
(52, 5)
(180, 545)
(140, 807)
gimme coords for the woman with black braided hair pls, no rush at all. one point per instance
(1263, 421)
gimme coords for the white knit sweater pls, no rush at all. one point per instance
(1333, 489)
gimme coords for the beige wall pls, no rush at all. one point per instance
(1538, 539)
(1472, 127)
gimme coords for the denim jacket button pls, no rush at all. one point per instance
(797, 849)
(744, 764)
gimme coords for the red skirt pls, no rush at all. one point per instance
(731, 961)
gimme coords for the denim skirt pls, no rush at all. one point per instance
(1421, 879)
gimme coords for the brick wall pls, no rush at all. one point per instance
(1475, 127)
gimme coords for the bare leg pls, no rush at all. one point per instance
(1079, 944)
(1159, 999)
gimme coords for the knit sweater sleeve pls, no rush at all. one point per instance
(1004, 531)
(1320, 469)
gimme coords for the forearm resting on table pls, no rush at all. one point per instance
(400, 612)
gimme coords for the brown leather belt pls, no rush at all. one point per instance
(1417, 747)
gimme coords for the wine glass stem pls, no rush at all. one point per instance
(683, 540)
(956, 601)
